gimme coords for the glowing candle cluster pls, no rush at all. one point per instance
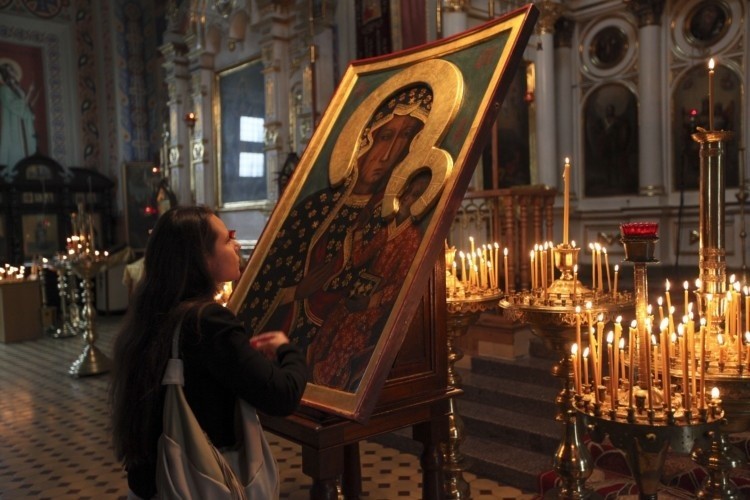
(475, 271)
(671, 383)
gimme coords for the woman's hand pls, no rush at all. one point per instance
(268, 342)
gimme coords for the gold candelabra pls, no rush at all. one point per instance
(86, 262)
(553, 310)
(474, 292)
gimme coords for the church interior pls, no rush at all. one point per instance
(605, 181)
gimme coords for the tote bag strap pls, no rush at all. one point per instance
(174, 373)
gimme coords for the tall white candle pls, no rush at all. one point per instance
(711, 94)
(566, 200)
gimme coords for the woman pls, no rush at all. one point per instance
(190, 253)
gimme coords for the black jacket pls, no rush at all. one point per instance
(219, 366)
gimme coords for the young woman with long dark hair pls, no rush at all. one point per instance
(190, 253)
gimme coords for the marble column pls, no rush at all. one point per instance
(651, 156)
(546, 140)
(274, 47)
(203, 174)
(454, 17)
(177, 162)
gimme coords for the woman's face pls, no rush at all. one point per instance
(224, 261)
(390, 145)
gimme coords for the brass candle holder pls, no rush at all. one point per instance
(640, 417)
(66, 326)
(91, 361)
(553, 314)
(463, 310)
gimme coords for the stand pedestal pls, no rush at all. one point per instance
(330, 445)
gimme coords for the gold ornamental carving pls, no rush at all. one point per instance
(549, 13)
(648, 12)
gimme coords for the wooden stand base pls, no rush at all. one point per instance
(330, 445)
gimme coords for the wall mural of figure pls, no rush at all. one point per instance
(611, 142)
(17, 130)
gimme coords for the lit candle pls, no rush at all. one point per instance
(702, 363)
(593, 266)
(685, 286)
(606, 266)
(578, 325)
(655, 355)
(463, 267)
(592, 345)
(586, 366)
(505, 268)
(600, 274)
(532, 261)
(453, 288)
(711, 94)
(471, 244)
(497, 266)
(618, 336)
(576, 373)
(566, 200)
(612, 371)
(621, 358)
(666, 377)
(660, 302)
(631, 367)
(617, 269)
(551, 262)
(599, 347)
(747, 308)
(715, 402)
(684, 350)
(747, 346)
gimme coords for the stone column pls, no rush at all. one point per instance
(547, 157)
(651, 159)
(177, 161)
(455, 19)
(203, 173)
(274, 49)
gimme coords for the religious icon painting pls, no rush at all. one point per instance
(352, 243)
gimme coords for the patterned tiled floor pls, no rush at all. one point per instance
(54, 439)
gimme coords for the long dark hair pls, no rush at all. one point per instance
(176, 282)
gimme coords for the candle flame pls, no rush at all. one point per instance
(578, 311)
(659, 301)
(634, 323)
(664, 324)
(586, 353)
(622, 343)
(653, 340)
(715, 393)
(618, 319)
(747, 337)
(567, 160)
(610, 337)
(505, 251)
(681, 329)
(685, 285)
(617, 267)
(711, 64)
(574, 349)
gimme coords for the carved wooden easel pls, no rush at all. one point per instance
(415, 395)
